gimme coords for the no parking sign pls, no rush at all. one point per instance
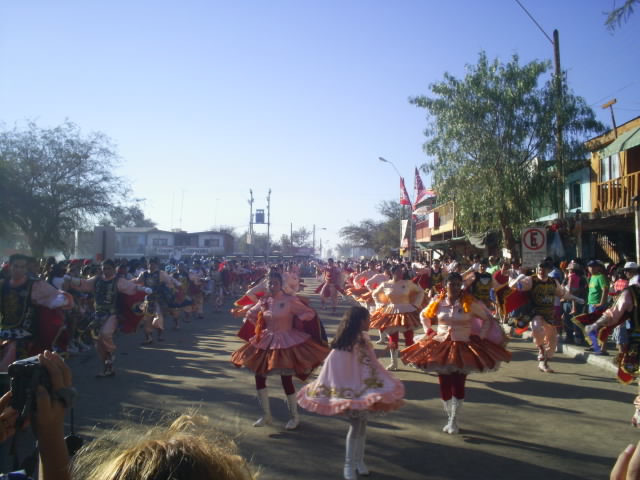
(534, 246)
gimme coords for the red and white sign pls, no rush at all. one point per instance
(534, 246)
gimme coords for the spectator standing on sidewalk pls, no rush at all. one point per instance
(597, 295)
(577, 285)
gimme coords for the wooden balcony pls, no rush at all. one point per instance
(617, 193)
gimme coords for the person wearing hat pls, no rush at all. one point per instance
(574, 280)
(543, 290)
(597, 296)
(631, 270)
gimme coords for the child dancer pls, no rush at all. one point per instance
(352, 382)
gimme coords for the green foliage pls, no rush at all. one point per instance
(55, 180)
(382, 235)
(621, 14)
(491, 135)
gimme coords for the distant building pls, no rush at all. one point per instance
(152, 242)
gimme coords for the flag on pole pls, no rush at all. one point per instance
(421, 192)
(404, 196)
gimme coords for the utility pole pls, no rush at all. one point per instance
(559, 126)
(268, 225)
(291, 249)
(251, 222)
(610, 105)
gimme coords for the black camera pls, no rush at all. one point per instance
(25, 377)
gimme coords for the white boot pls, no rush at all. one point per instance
(350, 452)
(361, 441)
(263, 399)
(456, 406)
(447, 408)
(393, 366)
(294, 421)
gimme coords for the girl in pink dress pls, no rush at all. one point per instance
(352, 382)
(466, 339)
(277, 348)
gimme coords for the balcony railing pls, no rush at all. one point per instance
(618, 193)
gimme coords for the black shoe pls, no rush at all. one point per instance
(589, 349)
(601, 354)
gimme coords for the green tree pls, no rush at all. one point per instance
(380, 235)
(621, 14)
(490, 135)
(127, 216)
(57, 180)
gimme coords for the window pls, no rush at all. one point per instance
(575, 195)
(609, 168)
(212, 242)
(160, 242)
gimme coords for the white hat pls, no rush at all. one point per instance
(631, 266)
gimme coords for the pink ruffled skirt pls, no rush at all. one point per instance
(352, 381)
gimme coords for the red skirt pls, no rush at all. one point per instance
(476, 355)
(395, 322)
(299, 360)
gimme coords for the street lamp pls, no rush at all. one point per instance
(390, 163)
(409, 215)
(314, 238)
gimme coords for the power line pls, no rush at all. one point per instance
(612, 94)
(534, 21)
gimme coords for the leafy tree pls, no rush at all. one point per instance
(301, 237)
(491, 134)
(382, 235)
(56, 180)
(621, 14)
(127, 216)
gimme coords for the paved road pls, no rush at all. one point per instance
(517, 423)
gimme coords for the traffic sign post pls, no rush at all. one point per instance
(534, 246)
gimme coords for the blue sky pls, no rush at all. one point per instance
(207, 99)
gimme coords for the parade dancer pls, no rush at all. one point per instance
(331, 285)
(626, 308)
(197, 279)
(361, 290)
(157, 303)
(353, 383)
(543, 291)
(20, 297)
(400, 301)
(277, 348)
(106, 287)
(460, 345)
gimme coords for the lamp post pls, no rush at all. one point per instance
(409, 215)
(314, 239)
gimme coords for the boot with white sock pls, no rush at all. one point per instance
(294, 421)
(393, 366)
(447, 409)
(361, 441)
(263, 399)
(456, 406)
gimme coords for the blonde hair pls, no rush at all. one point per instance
(186, 450)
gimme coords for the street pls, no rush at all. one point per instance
(516, 423)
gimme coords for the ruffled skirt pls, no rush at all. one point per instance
(448, 356)
(299, 360)
(395, 321)
(350, 382)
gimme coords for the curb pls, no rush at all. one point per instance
(573, 351)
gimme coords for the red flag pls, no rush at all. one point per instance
(421, 192)
(404, 196)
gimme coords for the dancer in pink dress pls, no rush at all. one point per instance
(352, 382)
(278, 348)
(467, 339)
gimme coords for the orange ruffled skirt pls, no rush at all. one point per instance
(299, 360)
(395, 322)
(448, 356)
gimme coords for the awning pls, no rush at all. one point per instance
(624, 142)
(440, 244)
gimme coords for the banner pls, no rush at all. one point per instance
(421, 192)
(404, 196)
